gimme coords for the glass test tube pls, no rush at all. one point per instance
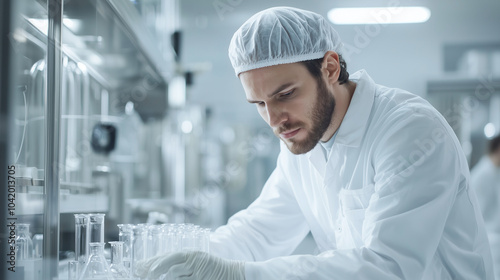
(139, 245)
(203, 239)
(188, 240)
(170, 238)
(96, 222)
(81, 237)
(126, 235)
(73, 270)
(154, 241)
(37, 246)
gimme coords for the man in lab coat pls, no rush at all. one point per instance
(374, 173)
(485, 180)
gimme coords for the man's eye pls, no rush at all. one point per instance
(287, 93)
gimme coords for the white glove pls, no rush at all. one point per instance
(191, 266)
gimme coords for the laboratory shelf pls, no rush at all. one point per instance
(32, 203)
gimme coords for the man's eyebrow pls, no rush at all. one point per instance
(278, 90)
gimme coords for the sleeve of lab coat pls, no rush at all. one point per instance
(273, 225)
(417, 177)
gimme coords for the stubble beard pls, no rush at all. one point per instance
(321, 117)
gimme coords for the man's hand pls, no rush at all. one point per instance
(191, 266)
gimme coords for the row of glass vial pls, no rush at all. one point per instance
(136, 243)
(143, 241)
(152, 240)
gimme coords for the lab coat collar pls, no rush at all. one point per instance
(353, 125)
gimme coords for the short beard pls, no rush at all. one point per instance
(321, 118)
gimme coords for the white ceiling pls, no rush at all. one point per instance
(404, 56)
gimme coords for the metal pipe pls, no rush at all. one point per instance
(52, 132)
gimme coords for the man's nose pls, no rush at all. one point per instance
(276, 116)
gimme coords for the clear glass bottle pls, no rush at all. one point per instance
(24, 244)
(118, 270)
(96, 267)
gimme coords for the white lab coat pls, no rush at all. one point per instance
(485, 180)
(391, 202)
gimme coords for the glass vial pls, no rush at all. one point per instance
(188, 241)
(24, 244)
(118, 270)
(154, 241)
(96, 267)
(81, 237)
(37, 246)
(73, 270)
(126, 235)
(139, 245)
(96, 228)
(203, 240)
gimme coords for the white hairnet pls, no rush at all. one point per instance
(281, 35)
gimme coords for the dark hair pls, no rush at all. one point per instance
(314, 67)
(494, 144)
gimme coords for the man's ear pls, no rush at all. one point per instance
(331, 67)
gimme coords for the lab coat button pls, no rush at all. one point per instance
(339, 229)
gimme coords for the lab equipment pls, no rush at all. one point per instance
(81, 237)
(96, 228)
(189, 240)
(147, 241)
(126, 236)
(136, 243)
(73, 270)
(139, 245)
(96, 266)
(103, 138)
(204, 239)
(296, 35)
(37, 246)
(169, 236)
(24, 244)
(118, 270)
(154, 241)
